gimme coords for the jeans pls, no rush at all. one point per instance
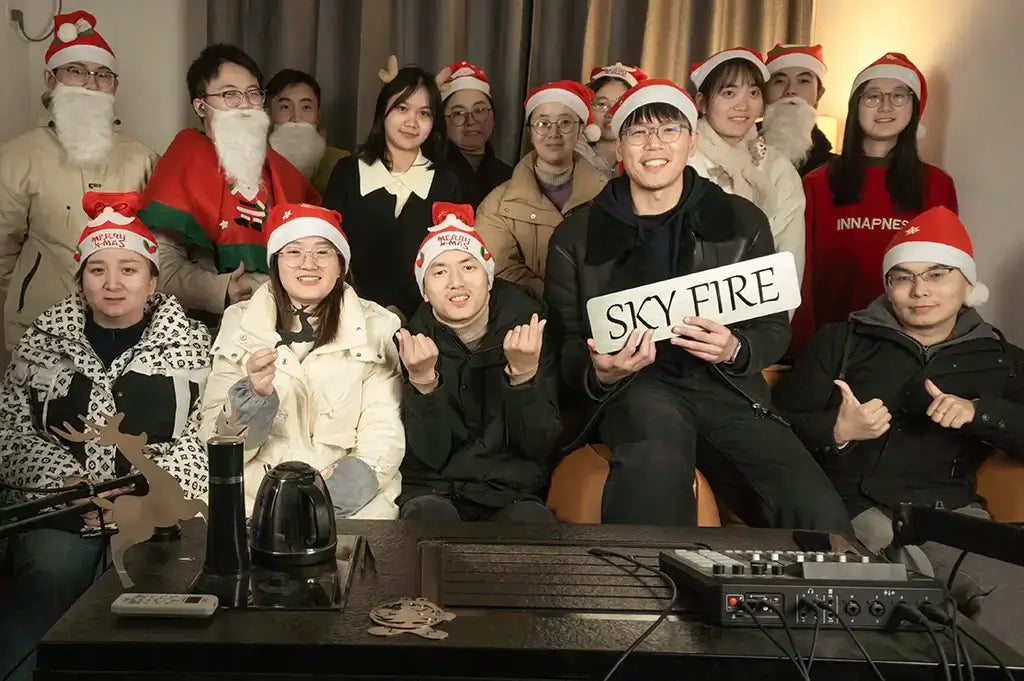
(52, 568)
(436, 508)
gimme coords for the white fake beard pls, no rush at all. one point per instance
(300, 143)
(787, 127)
(85, 123)
(240, 137)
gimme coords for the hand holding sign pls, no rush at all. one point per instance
(638, 353)
(419, 356)
(949, 411)
(522, 349)
(858, 421)
(705, 339)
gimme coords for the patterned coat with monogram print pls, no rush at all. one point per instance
(55, 376)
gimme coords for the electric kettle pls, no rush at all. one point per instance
(293, 519)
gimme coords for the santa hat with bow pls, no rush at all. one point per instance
(452, 231)
(114, 224)
(287, 222)
(630, 75)
(75, 39)
(937, 236)
(652, 91)
(464, 76)
(803, 56)
(699, 71)
(572, 94)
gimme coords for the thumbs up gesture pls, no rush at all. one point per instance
(949, 411)
(858, 421)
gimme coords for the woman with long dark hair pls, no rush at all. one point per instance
(386, 190)
(857, 202)
(308, 370)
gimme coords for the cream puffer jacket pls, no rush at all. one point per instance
(342, 400)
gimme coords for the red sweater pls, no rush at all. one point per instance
(845, 246)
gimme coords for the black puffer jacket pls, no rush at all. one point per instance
(477, 436)
(917, 460)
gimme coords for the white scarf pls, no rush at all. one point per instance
(740, 169)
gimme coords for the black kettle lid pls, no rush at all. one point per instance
(293, 470)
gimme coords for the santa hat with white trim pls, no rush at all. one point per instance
(287, 222)
(114, 224)
(937, 236)
(464, 76)
(803, 56)
(652, 91)
(574, 95)
(452, 231)
(75, 39)
(896, 65)
(630, 75)
(699, 71)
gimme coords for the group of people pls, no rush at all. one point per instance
(410, 319)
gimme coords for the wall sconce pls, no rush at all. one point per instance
(829, 126)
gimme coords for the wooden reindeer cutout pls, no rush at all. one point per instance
(137, 517)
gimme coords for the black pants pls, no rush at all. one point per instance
(652, 429)
(441, 509)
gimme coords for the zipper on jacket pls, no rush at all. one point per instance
(27, 280)
(760, 411)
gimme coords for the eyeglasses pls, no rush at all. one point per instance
(907, 279)
(234, 98)
(78, 76)
(601, 105)
(459, 118)
(873, 100)
(668, 133)
(322, 257)
(546, 128)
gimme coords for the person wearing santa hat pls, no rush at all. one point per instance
(608, 83)
(209, 195)
(297, 133)
(113, 346)
(651, 401)
(730, 152)
(905, 399)
(308, 371)
(795, 85)
(859, 200)
(74, 144)
(479, 451)
(469, 110)
(518, 218)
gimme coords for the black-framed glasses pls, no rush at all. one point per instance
(545, 128)
(480, 114)
(295, 257)
(906, 279)
(668, 133)
(77, 75)
(897, 98)
(234, 98)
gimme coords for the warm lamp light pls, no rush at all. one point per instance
(829, 126)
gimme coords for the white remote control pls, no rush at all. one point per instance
(164, 605)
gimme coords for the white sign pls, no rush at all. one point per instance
(734, 293)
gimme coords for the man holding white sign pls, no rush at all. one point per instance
(658, 222)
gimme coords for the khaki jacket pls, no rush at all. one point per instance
(516, 220)
(343, 399)
(41, 216)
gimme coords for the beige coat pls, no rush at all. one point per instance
(516, 220)
(41, 216)
(342, 400)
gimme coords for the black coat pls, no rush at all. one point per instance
(384, 248)
(476, 436)
(820, 154)
(917, 460)
(477, 184)
(586, 256)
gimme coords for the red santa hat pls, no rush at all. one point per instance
(699, 71)
(464, 76)
(937, 236)
(114, 224)
(803, 56)
(652, 91)
(452, 231)
(897, 66)
(574, 95)
(630, 75)
(287, 222)
(75, 39)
